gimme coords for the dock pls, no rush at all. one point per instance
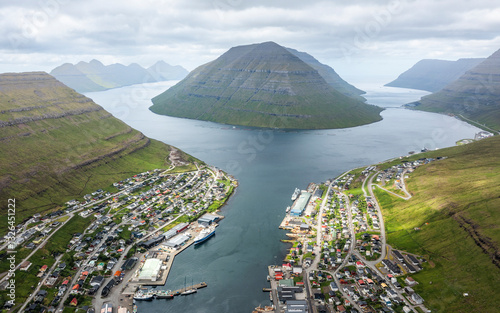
(196, 286)
(167, 255)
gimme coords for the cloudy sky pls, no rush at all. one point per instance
(361, 39)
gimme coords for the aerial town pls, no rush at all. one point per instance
(339, 260)
(111, 243)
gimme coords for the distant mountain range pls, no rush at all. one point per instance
(58, 144)
(432, 75)
(267, 85)
(95, 76)
(475, 95)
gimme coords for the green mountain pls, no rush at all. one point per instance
(453, 221)
(474, 96)
(432, 75)
(94, 76)
(329, 75)
(58, 145)
(263, 85)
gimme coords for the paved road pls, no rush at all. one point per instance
(42, 244)
(380, 218)
(41, 283)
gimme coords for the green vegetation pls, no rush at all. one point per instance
(84, 149)
(473, 97)
(453, 221)
(301, 99)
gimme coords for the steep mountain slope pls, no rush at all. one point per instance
(58, 144)
(262, 85)
(475, 95)
(432, 75)
(453, 221)
(95, 76)
(329, 75)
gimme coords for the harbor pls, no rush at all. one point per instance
(165, 254)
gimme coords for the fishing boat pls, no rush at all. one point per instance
(164, 294)
(142, 296)
(204, 235)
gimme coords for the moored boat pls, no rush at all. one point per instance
(188, 292)
(142, 296)
(204, 235)
(296, 193)
(164, 294)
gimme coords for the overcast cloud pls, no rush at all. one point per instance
(355, 37)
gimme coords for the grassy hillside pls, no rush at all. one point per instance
(58, 145)
(455, 203)
(432, 75)
(263, 85)
(475, 95)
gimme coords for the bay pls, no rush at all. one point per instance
(268, 164)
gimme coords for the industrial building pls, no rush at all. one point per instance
(177, 241)
(150, 270)
(208, 219)
(300, 204)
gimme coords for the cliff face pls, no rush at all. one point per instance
(58, 144)
(94, 76)
(262, 85)
(475, 95)
(433, 75)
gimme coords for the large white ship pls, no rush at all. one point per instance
(204, 235)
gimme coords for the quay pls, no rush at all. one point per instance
(167, 256)
(196, 286)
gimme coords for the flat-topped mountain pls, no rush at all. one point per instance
(263, 85)
(95, 76)
(432, 75)
(474, 96)
(58, 144)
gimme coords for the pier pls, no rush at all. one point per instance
(196, 286)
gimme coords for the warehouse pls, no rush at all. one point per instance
(150, 270)
(177, 241)
(300, 204)
(208, 219)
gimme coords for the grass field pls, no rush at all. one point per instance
(455, 204)
(65, 147)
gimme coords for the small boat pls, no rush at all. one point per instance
(267, 289)
(288, 209)
(164, 294)
(141, 296)
(296, 193)
(189, 291)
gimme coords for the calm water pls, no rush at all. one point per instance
(268, 165)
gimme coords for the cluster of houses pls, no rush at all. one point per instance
(120, 220)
